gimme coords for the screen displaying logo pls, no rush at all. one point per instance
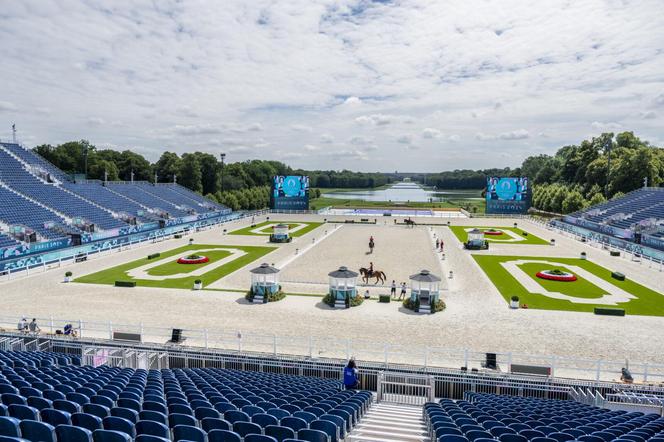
(507, 195)
(290, 192)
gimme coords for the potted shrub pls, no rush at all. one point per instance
(583, 255)
(68, 276)
(553, 242)
(514, 302)
(198, 284)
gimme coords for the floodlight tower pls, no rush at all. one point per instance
(607, 149)
(223, 157)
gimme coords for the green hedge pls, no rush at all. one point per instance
(614, 253)
(272, 297)
(609, 311)
(384, 298)
(154, 255)
(177, 236)
(617, 275)
(354, 302)
(125, 283)
(415, 306)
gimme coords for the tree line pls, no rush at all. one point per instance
(576, 176)
(239, 185)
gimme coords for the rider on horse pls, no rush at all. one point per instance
(371, 270)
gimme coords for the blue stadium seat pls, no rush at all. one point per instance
(189, 433)
(150, 438)
(259, 438)
(152, 428)
(37, 431)
(111, 436)
(264, 419)
(72, 433)
(9, 426)
(280, 433)
(223, 436)
(23, 412)
(120, 424)
(311, 435)
(244, 428)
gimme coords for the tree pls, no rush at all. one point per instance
(167, 167)
(573, 201)
(190, 172)
(210, 172)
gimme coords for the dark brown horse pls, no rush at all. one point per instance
(378, 274)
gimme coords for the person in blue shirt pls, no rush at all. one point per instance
(351, 375)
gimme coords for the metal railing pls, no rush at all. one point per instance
(402, 388)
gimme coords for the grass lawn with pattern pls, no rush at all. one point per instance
(647, 302)
(119, 273)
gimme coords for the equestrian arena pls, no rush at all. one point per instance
(477, 316)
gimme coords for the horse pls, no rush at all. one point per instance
(409, 222)
(378, 274)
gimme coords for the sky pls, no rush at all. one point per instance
(410, 85)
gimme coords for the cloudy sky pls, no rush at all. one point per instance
(418, 85)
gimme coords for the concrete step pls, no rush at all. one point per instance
(386, 422)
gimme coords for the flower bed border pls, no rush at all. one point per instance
(200, 260)
(493, 232)
(567, 277)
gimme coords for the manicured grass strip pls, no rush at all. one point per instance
(462, 235)
(173, 268)
(647, 302)
(304, 230)
(109, 276)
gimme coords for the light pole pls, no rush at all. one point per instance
(85, 156)
(223, 157)
(608, 168)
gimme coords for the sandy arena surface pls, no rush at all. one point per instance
(476, 318)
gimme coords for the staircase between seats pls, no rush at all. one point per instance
(387, 422)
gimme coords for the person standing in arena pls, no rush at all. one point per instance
(393, 289)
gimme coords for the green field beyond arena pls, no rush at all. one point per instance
(166, 266)
(516, 237)
(594, 287)
(261, 229)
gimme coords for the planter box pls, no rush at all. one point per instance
(67, 278)
(553, 242)
(125, 283)
(614, 253)
(617, 275)
(177, 236)
(514, 304)
(154, 255)
(609, 311)
(198, 286)
(524, 233)
(583, 255)
(384, 298)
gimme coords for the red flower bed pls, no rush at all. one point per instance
(199, 260)
(493, 232)
(568, 277)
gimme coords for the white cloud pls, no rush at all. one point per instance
(301, 128)
(311, 148)
(648, 115)
(181, 76)
(405, 139)
(431, 133)
(610, 125)
(360, 140)
(95, 121)
(519, 134)
(6, 106)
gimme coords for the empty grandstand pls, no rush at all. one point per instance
(50, 397)
(636, 217)
(42, 203)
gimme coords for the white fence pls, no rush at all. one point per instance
(241, 341)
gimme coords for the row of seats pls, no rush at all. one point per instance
(108, 206)
(48, 397)
(486, 417)
(7, 241)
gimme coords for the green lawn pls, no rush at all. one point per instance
(306, 229)
(172, 268)
(473, 206)
(461, 233)
(109, 276)
(647, 302)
